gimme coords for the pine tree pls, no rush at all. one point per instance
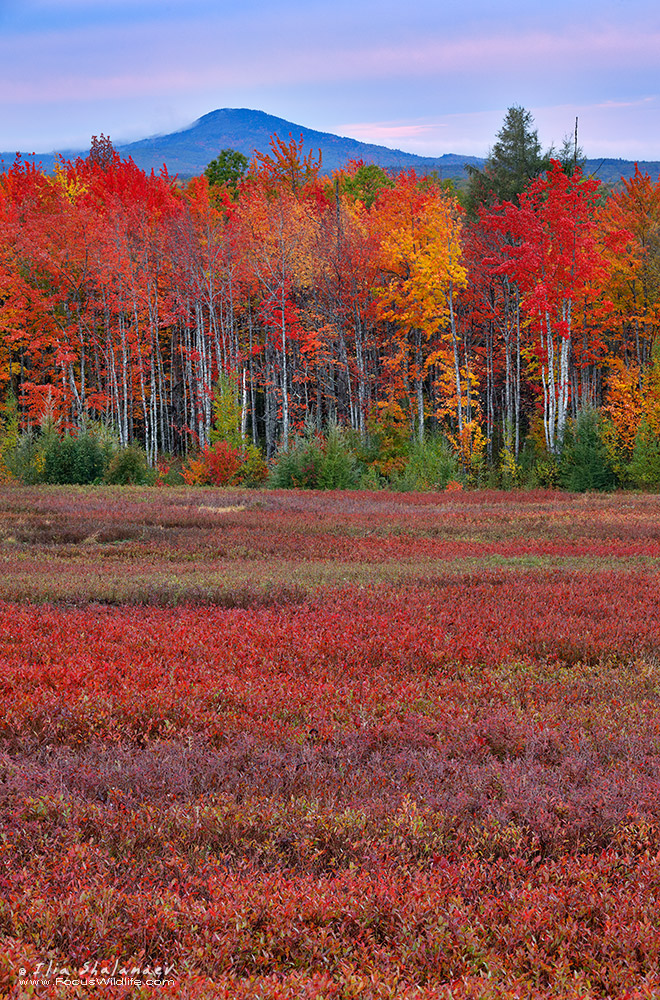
(585, 463)
(514, 161)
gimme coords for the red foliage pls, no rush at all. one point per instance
(445, 789)
(126, 295)
(218, 465)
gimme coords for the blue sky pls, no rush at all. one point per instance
(428, 76)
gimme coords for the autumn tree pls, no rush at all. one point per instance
(101, 152)
(128, 299)
(340, 306)
(420, 248)
(287, 164)
(493, 302)
(555, 259)
(277, 222)
(635, 277)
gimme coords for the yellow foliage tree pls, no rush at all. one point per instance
(420, 249)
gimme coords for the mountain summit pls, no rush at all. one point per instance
(187, 152)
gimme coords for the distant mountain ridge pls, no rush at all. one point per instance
(188, 151)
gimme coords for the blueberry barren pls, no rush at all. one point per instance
(332, 745)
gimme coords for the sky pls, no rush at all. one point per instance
(425, 76)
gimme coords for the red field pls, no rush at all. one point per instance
(330, 745)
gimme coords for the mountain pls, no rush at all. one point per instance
(611, 171)
(188, 151)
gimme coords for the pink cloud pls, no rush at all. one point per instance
(388, 131)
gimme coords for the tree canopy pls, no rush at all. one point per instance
(228, 169)
(126, 298)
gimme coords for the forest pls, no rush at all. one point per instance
(264, 309)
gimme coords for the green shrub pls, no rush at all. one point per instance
(644, 468)
(299, 467)
(61, 460)
(317, 463)
(430, 465)
(585, 463)
(129, 466)
(545, 474)
(511, 475)
(254, 470)
(227, 410)
(538, 468)
(491, 477)
(25, 460)
(9, 435)
(72, 460)
(339, 467)
(371, 479)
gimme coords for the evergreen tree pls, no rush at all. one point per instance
(72, 460)
(514, 161)
(227, 410)
(585, 463)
